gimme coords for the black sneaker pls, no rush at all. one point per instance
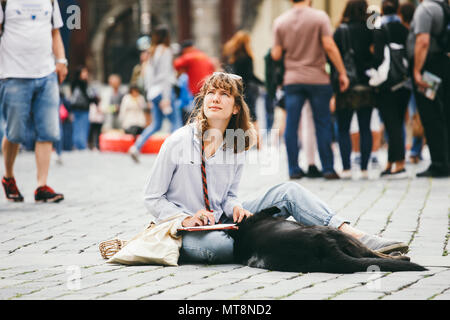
(401, 174)
(385, 173)
(297, 175)
(47, 194)
(12, 192)
(331, 176)
(432, 173)
(313, 172)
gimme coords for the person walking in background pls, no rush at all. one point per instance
(352, 35)
(96, 120)
(406, 13)
(239, 56)
(305, 37)
(131, 115)
(80, 101)
(183, 97)
(32, 62)
(110, 101)
(392, 98)
(138, 77)
(195, 63)
(160, 79)
(430, 55)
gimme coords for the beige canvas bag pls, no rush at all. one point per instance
(159, 244)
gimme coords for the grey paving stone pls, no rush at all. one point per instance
(41, 246)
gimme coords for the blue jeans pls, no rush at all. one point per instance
(30, 100)
(80, 127)
(344, 118)
(175, 119)
(319, 97)
(216, 247)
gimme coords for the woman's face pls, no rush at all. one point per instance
(219, 104)
(84, 75)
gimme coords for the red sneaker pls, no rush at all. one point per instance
(11, 191)
(47, 194)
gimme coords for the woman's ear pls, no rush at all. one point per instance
(235, 110)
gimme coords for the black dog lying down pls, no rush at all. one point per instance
(268, 242)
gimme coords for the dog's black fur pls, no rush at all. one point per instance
(268, 242)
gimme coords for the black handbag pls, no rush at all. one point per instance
(357, 97)
(348, 58)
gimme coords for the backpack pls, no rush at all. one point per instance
(444, 38)
(393, 73)
(348, 58)
(274, 74)
(3, 3)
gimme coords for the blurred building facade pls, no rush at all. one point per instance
(106, 41)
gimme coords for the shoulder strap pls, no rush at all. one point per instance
(204, 183)
(346, 40)
(4, 15)
(53, 10)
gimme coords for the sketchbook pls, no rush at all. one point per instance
(210, 228)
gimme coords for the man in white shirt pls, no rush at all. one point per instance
(32, 62)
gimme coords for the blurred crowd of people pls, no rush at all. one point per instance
(356, 86)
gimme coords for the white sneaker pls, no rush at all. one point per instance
(364, 175)
(134, 153)
(346, 174)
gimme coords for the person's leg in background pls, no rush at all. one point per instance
(157, 119)
(344, 119)
(435, 116)
(393, 108)
(80, 129)
(15, 99)
(364, 115)
(307, 133)
(45, 108)
(294, 99)
(320, 96)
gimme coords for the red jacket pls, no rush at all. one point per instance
(197, 65)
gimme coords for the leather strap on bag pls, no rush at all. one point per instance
(204, 182)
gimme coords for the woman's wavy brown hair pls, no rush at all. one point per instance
(238, 46)
(241, 121)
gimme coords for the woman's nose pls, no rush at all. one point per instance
(216, 97)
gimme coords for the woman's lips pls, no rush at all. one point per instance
(214, 108)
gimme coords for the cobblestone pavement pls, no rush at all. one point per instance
(50, 251)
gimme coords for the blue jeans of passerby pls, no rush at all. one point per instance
(293, 200)
(319, 97)
(417, 142)
(344, 119)
(175, 119)
(35, 101)
(80, 129)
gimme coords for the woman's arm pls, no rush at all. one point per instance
(158, 184)
(232, 200)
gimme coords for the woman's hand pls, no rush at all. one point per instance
(239, 214)
(201, 218)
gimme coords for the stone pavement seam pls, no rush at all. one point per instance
(409, 285)
(383, 191)
(389, 217)
(427, 196)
